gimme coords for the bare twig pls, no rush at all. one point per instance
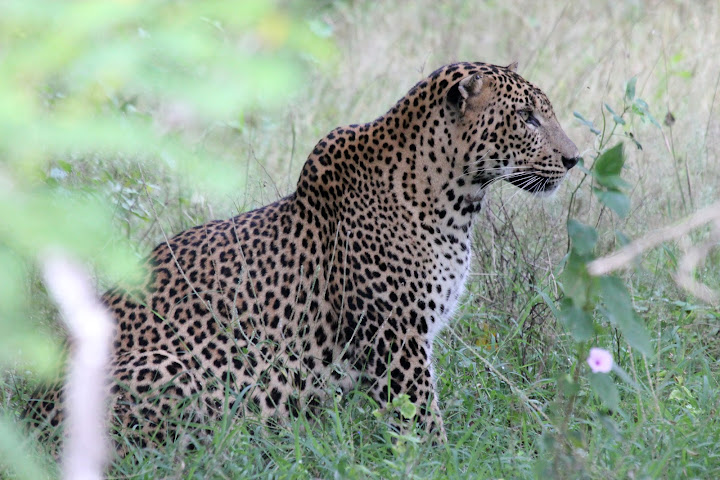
(91, 329)
(692, 258)
(694, 255)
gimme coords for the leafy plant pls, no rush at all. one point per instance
(591, 305)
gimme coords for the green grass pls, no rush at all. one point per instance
(500, 416)
(499, 363)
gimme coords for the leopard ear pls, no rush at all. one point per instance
(513, 67)
(458, 94)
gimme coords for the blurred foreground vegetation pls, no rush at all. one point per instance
(100, 102)
(122, 122)
(98, 97)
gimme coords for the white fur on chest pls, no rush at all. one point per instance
(451, 276)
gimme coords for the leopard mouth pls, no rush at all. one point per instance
(534, 183)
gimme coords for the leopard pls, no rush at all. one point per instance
(346, 282)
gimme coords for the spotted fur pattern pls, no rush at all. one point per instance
(347, 280)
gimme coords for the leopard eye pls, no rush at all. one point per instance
(528, 117)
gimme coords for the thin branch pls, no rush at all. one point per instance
(90, 327)
(694, 255)
(692, 258)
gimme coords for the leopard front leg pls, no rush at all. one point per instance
(400, 365)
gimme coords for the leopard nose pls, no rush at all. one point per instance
(570, 162)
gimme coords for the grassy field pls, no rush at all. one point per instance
(502, 363)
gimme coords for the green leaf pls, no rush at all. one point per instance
(627, 379)
(617, 201)
(641, 108)
(616, 118)
(12, 283)
(34, 223)
(576, 320)
(583, 237)
(630, 89)
(604, 387)
(610, 163)
(612, 182)
(408, 409)
(67, 167)
(576, 281)
(587, 123)
(14, 452)
(620, 312)
(567, 385)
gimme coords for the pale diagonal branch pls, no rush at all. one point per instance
(693, 256)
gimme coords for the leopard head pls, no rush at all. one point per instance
(507, 129)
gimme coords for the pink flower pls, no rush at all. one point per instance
(600, 360)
